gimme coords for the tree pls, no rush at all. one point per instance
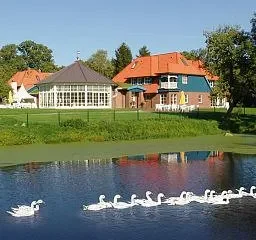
(143, 51)
(37, 56)
(231, 56)
(100, 63)
(123, 57)
(4, 90)
(198, 54)
(253, 29)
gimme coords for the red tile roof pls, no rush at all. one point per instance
(151, 88)
(199, 64)
(28, 77)
(159, 64)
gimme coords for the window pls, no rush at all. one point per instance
(200, 98)
(133, 81)
(164, 78)
(140, 81)
(101, 103)
(173, 98)
(186, 98)
(134, 65)
(163, 98)
(147, 80)
(89, 99)
(184, 79)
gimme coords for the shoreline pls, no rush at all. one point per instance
(21, 154)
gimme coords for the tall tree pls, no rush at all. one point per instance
(100, 63)
(37, 56)
(231, 55)
(253, 29)
(123, 57)
(143, 51)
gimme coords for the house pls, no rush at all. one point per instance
(22, 84)
(28, 78)
(76, 87)
(163, 79)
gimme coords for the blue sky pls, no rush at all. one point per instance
(164, 26)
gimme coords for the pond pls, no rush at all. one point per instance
(66, 186)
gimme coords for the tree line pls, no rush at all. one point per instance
(29, 54)
(230, 53)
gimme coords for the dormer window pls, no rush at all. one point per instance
(134, 65)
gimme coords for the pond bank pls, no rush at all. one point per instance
(12, 155)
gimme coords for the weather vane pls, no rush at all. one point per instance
(77, 55)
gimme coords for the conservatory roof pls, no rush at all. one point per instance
(77, 73)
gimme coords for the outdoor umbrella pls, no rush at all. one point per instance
(182, 98)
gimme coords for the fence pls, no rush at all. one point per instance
(28, 117)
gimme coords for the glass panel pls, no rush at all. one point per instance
(95, 99)
(89, 99)
(73, 88)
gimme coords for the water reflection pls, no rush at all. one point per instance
(66, 186)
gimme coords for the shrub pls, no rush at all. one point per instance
(74, 123)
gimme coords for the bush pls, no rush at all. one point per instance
(74, 123)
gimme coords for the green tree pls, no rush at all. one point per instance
(123, 57)
(37, 56)
(143, 51)
(4, 90)
(253, 29)
(100, 63)
(198, 54)
(10, 61)
(231, 55)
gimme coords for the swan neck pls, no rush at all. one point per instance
(115, 200)
(148, 197)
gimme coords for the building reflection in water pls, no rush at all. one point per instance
(174, 171)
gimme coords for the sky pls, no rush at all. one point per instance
(68, 26)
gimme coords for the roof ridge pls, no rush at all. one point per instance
(63, 70)
(79, 64)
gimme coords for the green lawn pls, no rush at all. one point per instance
(53, 116)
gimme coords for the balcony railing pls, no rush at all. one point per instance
(169, 85)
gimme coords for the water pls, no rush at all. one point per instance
(66, 186)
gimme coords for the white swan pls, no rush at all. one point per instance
(98, 206)
(249, 194)
(252, 194)
(123, 205)
(140, 201)
(26, 211)
(183, 199)
(221, 199)
(240, 193)
(212, 197)
(151, 203)
(171, 200)
(200, 199)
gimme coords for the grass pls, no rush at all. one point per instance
(33, 126)
(13, 155)
(77, 130)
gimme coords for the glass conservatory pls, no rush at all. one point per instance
(75, 96)
(75, 86)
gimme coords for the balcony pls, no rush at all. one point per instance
(169, 85)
